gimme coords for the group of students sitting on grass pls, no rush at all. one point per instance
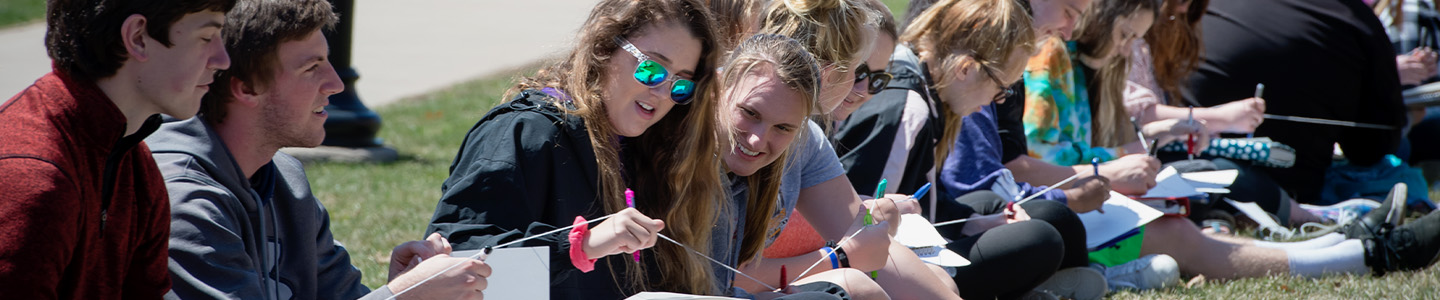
(699, 147)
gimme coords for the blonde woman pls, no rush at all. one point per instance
(627, 109)
(770, 88)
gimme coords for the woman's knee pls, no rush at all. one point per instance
(859, 285)
(982, 202)
(1029, 242)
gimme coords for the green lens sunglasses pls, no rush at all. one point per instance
(651, 74)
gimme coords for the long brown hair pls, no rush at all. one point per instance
(1175, 45)
(986, 31)
(677, 177)
(798, 70)
(1111, 124)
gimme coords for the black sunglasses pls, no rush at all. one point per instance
(878, 79)
(1005, 90)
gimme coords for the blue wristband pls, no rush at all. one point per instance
(834, 261)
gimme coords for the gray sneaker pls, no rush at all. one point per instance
(1149, 272)
(1038, 295)
(1079, 283)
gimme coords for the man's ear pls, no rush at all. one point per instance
(244, 93)
(133, 35)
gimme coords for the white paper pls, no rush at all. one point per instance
(916, 232)
(1211, 180)
(1261, 218)
(1122, 214)
(939, 255)
(516, 273)
(1169, 184)
(672, 296)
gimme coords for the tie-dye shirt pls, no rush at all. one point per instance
(1057, 108)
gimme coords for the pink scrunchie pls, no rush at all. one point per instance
(577, 246)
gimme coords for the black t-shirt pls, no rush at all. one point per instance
(1324, 59)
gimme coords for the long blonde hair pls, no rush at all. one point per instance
(826, 27)
(675, 174)
(1110, 124)
(798, 70)
(986, 31)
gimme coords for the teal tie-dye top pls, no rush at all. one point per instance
(1057, 108)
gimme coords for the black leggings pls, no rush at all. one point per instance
(1009, 260)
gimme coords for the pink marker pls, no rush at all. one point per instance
(630, 202)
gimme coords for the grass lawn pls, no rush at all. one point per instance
(374, 207)
(21, 11)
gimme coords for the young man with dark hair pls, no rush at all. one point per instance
(244, 224)
(82, 205)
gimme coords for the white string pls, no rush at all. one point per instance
(1051, 187)
(662, 236)
(486, 251)
(1328, 122)
(823, 257)
(952, 222)
(1022, 201)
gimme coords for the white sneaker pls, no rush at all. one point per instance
(1149, 272)
(1079, 283)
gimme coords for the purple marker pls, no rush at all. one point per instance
(630, 202)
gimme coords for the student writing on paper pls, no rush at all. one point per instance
(629, 107)
(1225, 257)
(901, 273)
(770, 85)
(1161, 61)
(839, 33)
(956, 57)
(244, 223)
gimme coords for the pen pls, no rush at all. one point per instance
(1259, 91)
(870, 220)
(1095, 162)
(1190, 141)
(921, 192)
(630, 202)
(782, 276)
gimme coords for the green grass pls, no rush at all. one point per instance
(374, 207)
(897, 8)
(14, 12)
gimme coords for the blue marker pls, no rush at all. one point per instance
(1095, 161)
(921, 192)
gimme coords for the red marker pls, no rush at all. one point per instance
(782, 275)
(630, 202)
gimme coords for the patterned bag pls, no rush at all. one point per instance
(1259, 151)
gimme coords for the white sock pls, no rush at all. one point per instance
(1346, 257)
(1321, 242)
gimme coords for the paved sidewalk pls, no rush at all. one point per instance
(402, 48)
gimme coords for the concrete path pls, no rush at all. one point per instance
(402, 48)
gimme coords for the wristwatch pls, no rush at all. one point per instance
(839, 254)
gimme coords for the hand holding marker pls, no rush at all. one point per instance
(1259, 91)
(870, 220)
(630, 202)
(1095, 162)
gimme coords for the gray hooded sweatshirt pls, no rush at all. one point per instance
(233, 238)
